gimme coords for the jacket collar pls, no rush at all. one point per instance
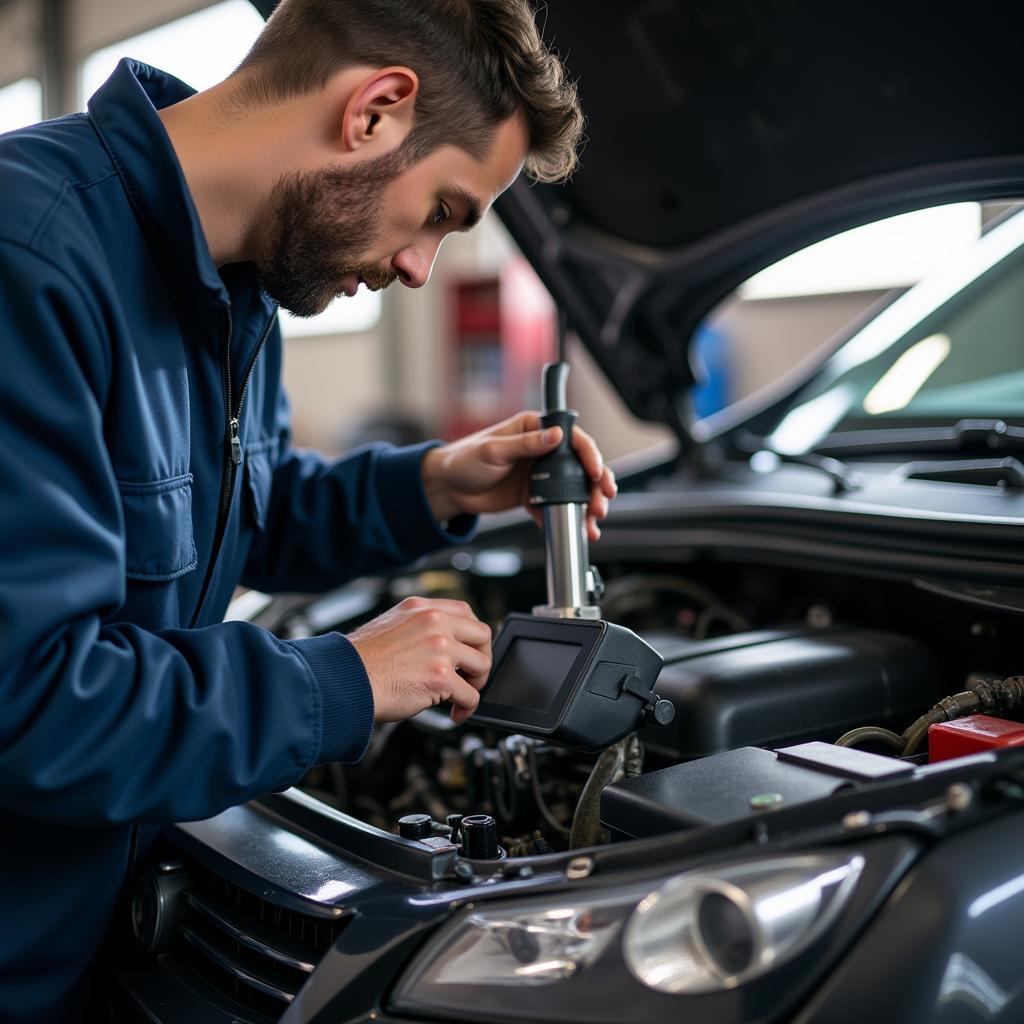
(124, 111)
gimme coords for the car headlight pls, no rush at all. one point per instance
(702, 932)
(584, 956)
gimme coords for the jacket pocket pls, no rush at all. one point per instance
(260, 459)
(159, 543)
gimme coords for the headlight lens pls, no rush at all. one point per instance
(565, 956)
(703, 931)
(528, 947)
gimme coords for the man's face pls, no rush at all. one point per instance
(377, 221)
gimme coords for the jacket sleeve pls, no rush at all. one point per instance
(102, 721)
(328, 521)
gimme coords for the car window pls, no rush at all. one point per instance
(788, 312)
(948, 349)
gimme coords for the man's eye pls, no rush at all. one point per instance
(441, 214)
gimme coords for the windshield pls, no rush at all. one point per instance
(949, 349)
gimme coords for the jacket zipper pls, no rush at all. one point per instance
(233, 448)
(232, 462)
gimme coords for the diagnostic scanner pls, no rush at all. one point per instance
(563, 674)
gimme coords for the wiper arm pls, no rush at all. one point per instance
(843, 478)
(964, 435)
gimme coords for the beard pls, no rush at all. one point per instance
(318, 225)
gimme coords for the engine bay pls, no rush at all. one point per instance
(767, 667)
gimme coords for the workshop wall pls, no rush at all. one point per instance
(93, 24)
(19, 32)
(768, 337)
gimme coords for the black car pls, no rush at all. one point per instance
(839, 559)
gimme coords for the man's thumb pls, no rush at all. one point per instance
(545, 440)
(526, 445)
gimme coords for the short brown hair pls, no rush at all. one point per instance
(478, 61)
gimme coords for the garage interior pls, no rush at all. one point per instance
(782, 781)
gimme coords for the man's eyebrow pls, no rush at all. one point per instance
(473, 206)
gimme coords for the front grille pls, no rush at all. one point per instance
(253, 952)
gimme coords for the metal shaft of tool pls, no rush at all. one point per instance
(567, 558)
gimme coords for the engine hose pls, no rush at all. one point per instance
(855, 737)
(956, 705)
(621, 759)
(538, 794)
(505, 802)
(634, 762)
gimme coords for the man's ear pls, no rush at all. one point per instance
(380, 110)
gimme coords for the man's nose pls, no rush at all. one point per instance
(413, 264)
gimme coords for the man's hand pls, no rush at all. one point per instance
(422, 652)
(489, 471)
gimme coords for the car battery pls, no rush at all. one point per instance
(738, 784)
(972, 735)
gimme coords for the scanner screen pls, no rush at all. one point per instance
(532, 673)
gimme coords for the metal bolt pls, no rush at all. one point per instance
(579, 867)
(766, 801)
(959, 797)
(463, 871)
(855, 820)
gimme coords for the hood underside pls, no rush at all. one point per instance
(723, 136)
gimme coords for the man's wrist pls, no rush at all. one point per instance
(439, 496)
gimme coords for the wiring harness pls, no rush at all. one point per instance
(985, 696)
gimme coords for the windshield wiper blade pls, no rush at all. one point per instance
(965, 435)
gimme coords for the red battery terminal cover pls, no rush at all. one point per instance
(972, 735)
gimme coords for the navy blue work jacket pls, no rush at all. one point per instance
(145, 470)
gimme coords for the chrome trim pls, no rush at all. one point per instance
(225, 962)
(254, 935)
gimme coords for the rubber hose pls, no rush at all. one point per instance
(871, 732)
(586, 822)
(538, 794)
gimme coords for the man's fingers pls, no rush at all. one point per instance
(474, 665)
(598, 504)
(464, 698)
(609, 487)
(460, 715)
(460, 609)
(474, 634)
(520, 423)
(588, 453)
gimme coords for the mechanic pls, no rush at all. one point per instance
(145, 465)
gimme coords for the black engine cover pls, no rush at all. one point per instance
(773, 688)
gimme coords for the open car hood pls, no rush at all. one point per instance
(724, 135)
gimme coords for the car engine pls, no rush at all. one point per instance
(757, 659)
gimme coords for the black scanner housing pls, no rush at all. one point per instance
(593, 704)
